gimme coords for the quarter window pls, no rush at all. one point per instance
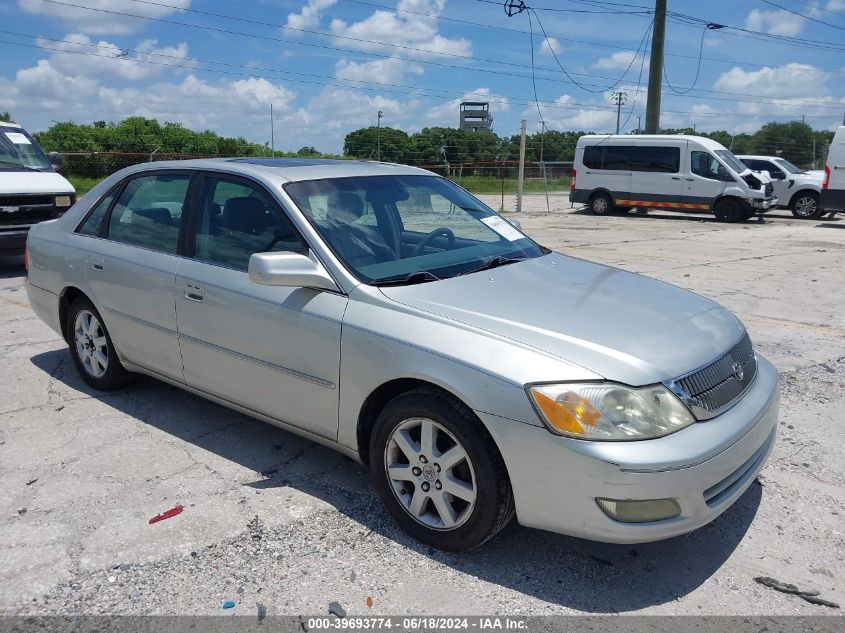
(237, 220)
(149, 211)
(91, 225)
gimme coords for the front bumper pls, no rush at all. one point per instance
(705, 467)
(764, 205)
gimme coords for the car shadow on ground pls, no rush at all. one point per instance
(566, 571)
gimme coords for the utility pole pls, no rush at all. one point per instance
(639, 124)
(655, 69)
(521, 166)
(272, 133)
(618, 98)
(378, 136)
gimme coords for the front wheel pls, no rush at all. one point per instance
(729, 210)
(92, 349)
(805, 205)
(438, 471)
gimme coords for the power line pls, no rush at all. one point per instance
(801, 15)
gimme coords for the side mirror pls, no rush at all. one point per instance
(289, 269)
(55, 159)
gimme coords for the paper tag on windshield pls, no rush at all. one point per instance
(503, 228)
(18, 139)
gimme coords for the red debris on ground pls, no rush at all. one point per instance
(167, 514)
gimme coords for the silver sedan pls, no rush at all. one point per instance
(385, 312)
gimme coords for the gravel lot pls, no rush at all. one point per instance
(276, 521)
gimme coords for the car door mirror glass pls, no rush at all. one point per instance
(290, 270)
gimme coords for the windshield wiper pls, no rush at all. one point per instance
(418, 277)
(19, 165)
(495, 262)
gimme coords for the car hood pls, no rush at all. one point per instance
(25, 182)
(808, 178)
(620, 325)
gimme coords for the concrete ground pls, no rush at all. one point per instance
(273, 521)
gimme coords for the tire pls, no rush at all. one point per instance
(729, 210)
(600, 204)
(805, 205)
(478, 474)
(92, 349)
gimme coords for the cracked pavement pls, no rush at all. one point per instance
(272, 519)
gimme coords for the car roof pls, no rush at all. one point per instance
(757, 156)
(288, 169)
(708, 143)
(10, 124)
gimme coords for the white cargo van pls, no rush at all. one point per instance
(833, 188)
(674, 172)
(30, 189)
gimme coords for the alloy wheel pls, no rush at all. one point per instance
(90, 342)
(805, 206)
(430, 473)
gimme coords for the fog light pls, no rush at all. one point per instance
(630, 511)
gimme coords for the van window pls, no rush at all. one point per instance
(608, 157)
(659, 159)
(704, 164)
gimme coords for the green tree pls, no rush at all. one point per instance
(364, 144)
(307, 151)
(7, 117)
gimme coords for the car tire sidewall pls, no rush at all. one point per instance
(817, 213)
(608, 207)
(115, 376)
(728, 210)
(492, 484)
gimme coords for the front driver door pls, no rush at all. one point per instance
(273, 350)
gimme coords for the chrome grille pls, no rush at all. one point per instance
(713, 388)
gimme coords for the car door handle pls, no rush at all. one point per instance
(676, 177)
(97, 263)
(194, 293)
(691, 179)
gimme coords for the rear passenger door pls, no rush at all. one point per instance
(132, 270)
(271, 349)
(656, 174)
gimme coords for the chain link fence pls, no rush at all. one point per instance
(86, 169)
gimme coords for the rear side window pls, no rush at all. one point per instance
(149, 211)
(608, 157)
(657, 159)
(91, 225)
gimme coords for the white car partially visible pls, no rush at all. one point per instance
(796, 189)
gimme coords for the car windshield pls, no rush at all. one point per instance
(408, 229)
(731, 161)
(792, 169)
(19, 152)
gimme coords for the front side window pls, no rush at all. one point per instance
(149, 211)
(236, 220)
(706, 165)
(788, 166)
(387, 228)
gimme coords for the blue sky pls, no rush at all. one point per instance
(328, 66)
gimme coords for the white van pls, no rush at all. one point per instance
(833, 188)
(674, 172)
(30, 189)
(796, 189)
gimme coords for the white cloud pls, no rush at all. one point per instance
(550, 45)
(446, 114)
(835, 5)
(84, 20)
(402, 29)
(622, 59)
(79, 56)
(775, 22)
(385, 71)
(792, 81)
(310, 14)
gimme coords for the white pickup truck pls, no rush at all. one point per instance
(796, 189)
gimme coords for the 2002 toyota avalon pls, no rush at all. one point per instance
(384, 311)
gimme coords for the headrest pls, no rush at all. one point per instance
(159, 215)
(244, 214)
(343, 206)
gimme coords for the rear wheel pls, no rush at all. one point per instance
(92, 349)
(601, 203)
(438, 471)
(805, 205)
(729, 210)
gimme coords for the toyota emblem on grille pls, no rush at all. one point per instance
(739, 373)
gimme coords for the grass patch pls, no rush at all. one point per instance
(83, 185)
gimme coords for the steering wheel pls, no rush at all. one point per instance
(428, 239)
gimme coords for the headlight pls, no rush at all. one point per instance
(607, 411)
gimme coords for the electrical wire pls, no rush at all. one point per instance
(678, 91)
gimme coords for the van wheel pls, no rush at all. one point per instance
(729, 210)
(438, 472)
(601, 204)
(805, 205)
(92, 349)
